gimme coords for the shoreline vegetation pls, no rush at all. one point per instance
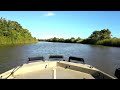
(102, 37)
(12, 33)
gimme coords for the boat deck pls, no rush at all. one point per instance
(55, 70)
(61, 73)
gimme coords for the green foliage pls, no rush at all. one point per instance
(89, 41)
(110, 42)
(71, 40)
(98, 36)
(78, 40)
(11, 32)
(101, 35)
(61, 40)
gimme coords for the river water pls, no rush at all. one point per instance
(104, 58)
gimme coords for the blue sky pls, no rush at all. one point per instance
(65, 24)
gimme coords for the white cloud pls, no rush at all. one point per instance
(49, 14)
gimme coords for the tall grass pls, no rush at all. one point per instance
(110, 42)
(9, 41)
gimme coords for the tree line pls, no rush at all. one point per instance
(69, 40)
(11, 32)
(102, 37)
(98, 37)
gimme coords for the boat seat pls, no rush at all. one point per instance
(36, 58)
(76, 59)
(56, 57)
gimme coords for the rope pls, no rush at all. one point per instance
(14, 70)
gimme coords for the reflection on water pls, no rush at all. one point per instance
(104, 58)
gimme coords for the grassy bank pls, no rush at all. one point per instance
(17, 43)
(114, 42)
(110, 42)
(102, 37)
(10, 41)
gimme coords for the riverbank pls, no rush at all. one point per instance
(110, 42)
(114, 42)
(15, 44)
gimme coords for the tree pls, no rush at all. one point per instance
(101, 35)
(54, 39)
(95, 35)
(72, 39)
(105, 34)
(61, 40)
(78, 40)
(11, 32)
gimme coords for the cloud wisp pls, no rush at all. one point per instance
(49, 14)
